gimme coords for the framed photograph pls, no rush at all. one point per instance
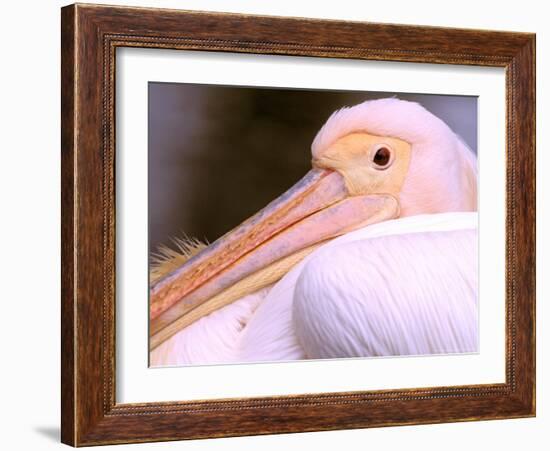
(281, 224)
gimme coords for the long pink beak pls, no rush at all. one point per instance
(316, 209)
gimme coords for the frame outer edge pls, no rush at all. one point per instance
(524, 63)
(68, 232)
(533, 93)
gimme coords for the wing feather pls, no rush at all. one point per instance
(405, 294)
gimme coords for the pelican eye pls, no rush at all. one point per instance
(382, 157)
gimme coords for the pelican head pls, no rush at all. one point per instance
(428, 168)
(372, 162)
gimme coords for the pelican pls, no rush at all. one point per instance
(372, 253)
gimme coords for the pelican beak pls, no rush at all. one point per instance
(314, 210)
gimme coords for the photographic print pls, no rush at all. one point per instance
(290, 224)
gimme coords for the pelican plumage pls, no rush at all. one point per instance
(373, 253)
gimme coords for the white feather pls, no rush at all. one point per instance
(406, 294)
(212, 339)
(272, 334)
(345, 314)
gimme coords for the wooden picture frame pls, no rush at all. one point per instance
(90, 36)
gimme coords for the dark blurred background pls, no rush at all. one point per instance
(218, 154)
